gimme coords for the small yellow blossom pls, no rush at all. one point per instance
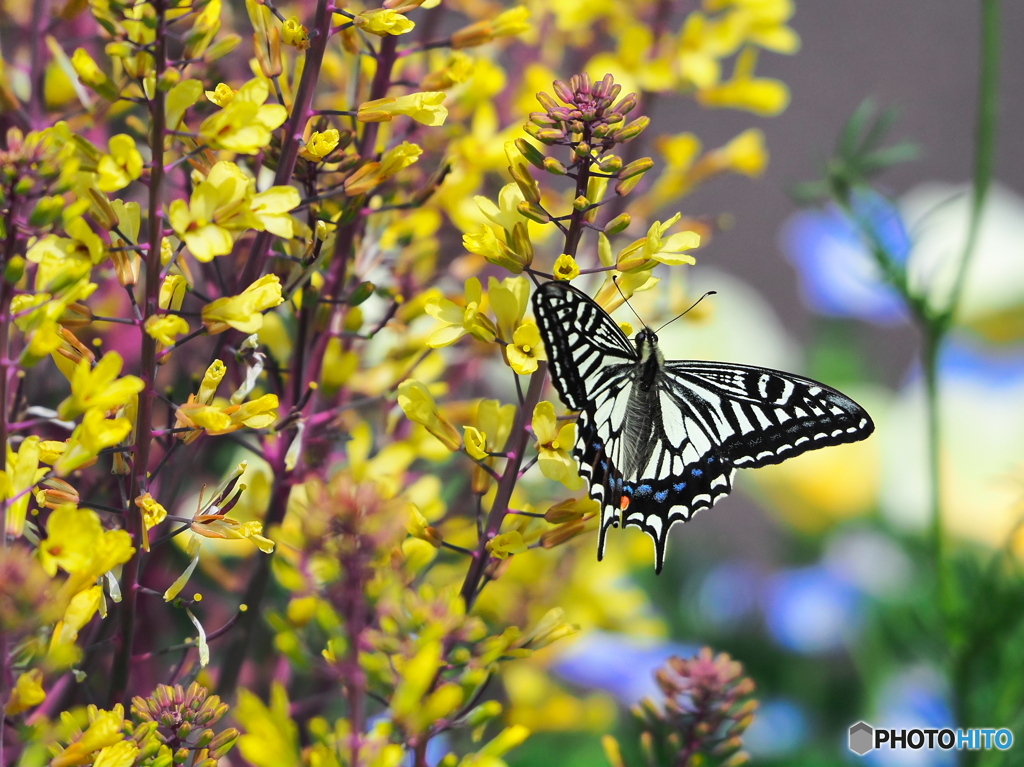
(226, 528)
(745, 154)
(760, 95)
(221, 95)
(426, 108)
(554, 444)
(566, 268)
(457, 69)
(92, 435)
(506, 544)
(486, 243)
(21, 473)
(416, 401)
(152, 512)
(244, 312)
(245, 125)
(457, 321)
(99, 387)
(655, 246)
(172, 292)
(526, 349)
(320, 144)
(476, 443)
(122, 166)
(508, 23)
(166, 328)
(121, 754)
(88, 72)
(293, 33)
(509, 300)
(28, 693)
(383, 22)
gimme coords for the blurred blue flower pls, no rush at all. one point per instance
(913, 699)
(619, 664)
(779, 728)
(812, 610)
(838, 273)
(727, 594)
(996, 366)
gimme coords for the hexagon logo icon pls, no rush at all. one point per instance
(862, 738)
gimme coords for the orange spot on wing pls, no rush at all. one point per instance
(624, 502)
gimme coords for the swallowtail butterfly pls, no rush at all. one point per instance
(660, 440)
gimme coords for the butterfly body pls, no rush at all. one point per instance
(660, 440)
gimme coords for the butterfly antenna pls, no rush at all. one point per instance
(709, 293)
(626, 301)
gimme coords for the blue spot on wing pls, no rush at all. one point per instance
(661, 495)
(679, 487)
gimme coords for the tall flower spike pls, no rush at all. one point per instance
(590, 113)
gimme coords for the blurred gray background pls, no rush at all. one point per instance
(918, 55)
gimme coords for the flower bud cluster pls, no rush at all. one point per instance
(705, 711)
(590, 118)
(183, 720)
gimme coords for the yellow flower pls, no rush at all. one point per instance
(121, 754)
(77, 543)
(258, 413)
(221, 95)
(526, 349)
(745, 154)
(217, 209)
(172, 292)
(457, 69)
(495, 421)
(166, 328)
(655, 246)
(554, 444)
(225, 528)
(90, 74)
(21, 473)
(99, 387)
(760, 95)
(416, 401)
(245, 125)
(244, 312)
(487, 244)
(476, 443)
(211, 381)
(566, 268)
(508, 299)
(506, 213)
(320, 144)
(506, 544)
(372, 174)
(294, 34)
(514, 21)
(426, 108)
(270, 209)
(457, 320)
(122, 166)
(92, 435)
(383, 22)
(105, 730)
(28, 692)
(152, 512)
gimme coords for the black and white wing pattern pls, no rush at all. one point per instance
(659, 441)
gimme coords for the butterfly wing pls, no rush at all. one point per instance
(760, 416)
(593, 365)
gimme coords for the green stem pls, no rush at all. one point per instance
(984, 143)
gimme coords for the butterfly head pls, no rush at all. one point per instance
(647, 345)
